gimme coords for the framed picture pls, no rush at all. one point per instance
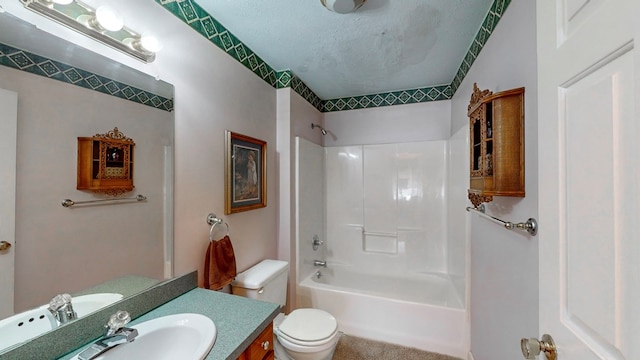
(245, 173)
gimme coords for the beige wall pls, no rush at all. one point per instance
(67, 249)
(295, 116)
(504, 264)
(214, 93)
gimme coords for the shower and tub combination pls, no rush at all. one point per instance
(372, 244)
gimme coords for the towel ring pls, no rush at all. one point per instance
(213, 220)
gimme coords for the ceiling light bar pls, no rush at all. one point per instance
(83, 19)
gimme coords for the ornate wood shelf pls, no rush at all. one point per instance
(105, 163)
(496, 125)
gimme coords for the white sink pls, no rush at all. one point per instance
(29, 324)
(181, 336)
(24, 326)
(86, 304)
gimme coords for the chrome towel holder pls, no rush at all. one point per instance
(69, 203)
(530, 226)
(214, 220)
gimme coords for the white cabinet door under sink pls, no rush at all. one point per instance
(589, 177)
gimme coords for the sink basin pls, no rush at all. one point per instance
(181, 336)
(24, 326)
(86, 304)
(29, 324)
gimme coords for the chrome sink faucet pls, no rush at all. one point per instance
(116, 334)
(62, 309)
(322, 263)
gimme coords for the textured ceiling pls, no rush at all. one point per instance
(383, 47)
(386, 45)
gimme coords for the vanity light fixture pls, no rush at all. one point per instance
(102, 24)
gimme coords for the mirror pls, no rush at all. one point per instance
(72, 250)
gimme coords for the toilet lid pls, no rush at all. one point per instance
(309, 325)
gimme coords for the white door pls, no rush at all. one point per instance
(8, 127)
(589, 178)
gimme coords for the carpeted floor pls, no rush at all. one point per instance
(353, 348)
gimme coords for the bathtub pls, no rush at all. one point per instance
(419, 310)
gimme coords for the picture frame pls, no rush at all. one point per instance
(245, 173)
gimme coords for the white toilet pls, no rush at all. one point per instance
(304, 334)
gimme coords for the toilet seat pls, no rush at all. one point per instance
(310, 344)
(308, 328)
(317, 347)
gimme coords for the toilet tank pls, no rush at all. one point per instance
(266, 281)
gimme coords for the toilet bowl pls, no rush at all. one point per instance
(306, 334)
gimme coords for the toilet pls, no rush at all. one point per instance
(304, 334)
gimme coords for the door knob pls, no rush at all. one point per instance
(4, 245)
(532, 347)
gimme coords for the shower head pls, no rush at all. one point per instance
(322, 130)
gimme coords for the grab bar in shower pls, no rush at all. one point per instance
(373, 233)
(530, 226)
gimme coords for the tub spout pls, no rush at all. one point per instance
(322, 263)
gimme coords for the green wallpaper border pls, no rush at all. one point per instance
(400, 97)
(287, 79)
(202, 22)
(488, 25)
(39, 65)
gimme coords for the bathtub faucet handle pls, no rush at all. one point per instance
(316, 242)
(322, 263)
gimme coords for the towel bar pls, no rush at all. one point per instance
(530, 226)
(69, 203)
(213, 220)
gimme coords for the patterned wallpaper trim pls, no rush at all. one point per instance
(488, 25)
(39, 65)
(202, 22)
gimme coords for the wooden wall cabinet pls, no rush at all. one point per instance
(105, 163)
(496, 125)
(261, 348)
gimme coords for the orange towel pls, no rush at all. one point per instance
(219, 264)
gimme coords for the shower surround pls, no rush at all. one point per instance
(386, 206)
(381, 211)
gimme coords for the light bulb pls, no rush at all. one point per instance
(150, 43)
(62, 2)
(109, 19)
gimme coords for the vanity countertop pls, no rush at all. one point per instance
(238, 320)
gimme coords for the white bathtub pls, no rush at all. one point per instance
(417, 310)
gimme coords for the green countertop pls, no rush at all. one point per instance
(238, 320)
